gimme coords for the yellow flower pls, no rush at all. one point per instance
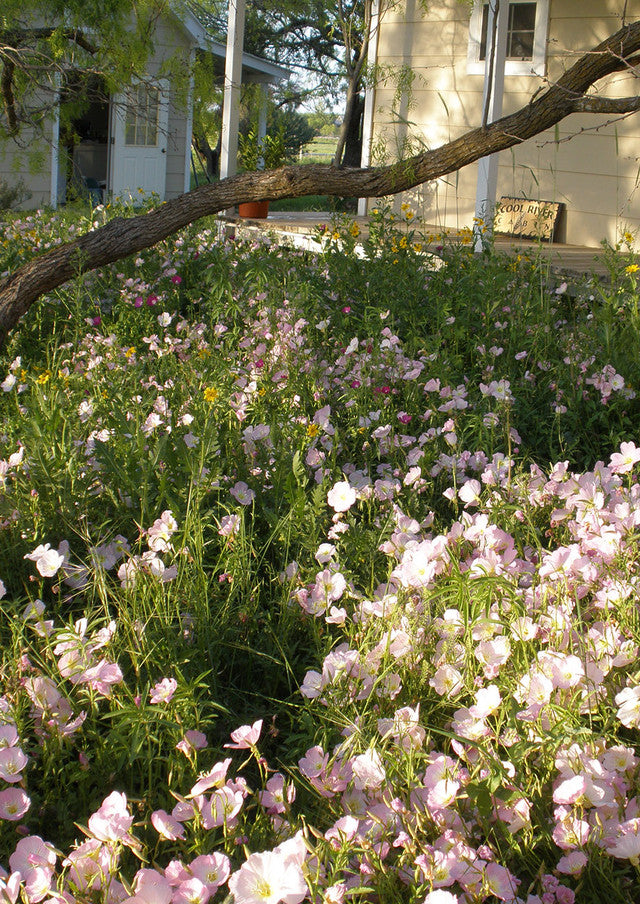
(313, 430)
(262, 391)
(403, 241)
(628, 237)
(43, 378)
(335, 236)
(632, 268)
(210, 394)
(130, 352)
(355, 230)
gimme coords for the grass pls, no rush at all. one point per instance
(319, 572)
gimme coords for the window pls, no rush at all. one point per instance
(141, 121)
(526, 37)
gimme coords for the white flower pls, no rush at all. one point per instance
(341, 496)
(47, 560)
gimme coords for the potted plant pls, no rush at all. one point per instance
(254, 154)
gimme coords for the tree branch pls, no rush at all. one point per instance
(618, 105)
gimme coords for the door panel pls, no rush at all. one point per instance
(139, 141)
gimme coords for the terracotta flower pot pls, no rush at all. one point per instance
(255, 210)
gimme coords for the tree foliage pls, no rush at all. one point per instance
(43, 41)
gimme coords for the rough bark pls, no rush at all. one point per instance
(122, 237)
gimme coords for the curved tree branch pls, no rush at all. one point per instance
(122, 237)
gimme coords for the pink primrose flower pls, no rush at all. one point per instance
(222, 808)
(623, 461)
(368, 770)
(211, 869)
(112, 821)
(277, 795)
(151, 888)
(246, 736)
(215, 777)
(35, 860)
(160, 533)
(167, 826)
(14, 803)
(89, 866)
(229, 525)
(628, 701)
(12, 762)
(268, 878)
(193, 740)
(439, 896)
(242, 493)
(191, 891)
(163, 691)
(10, 888)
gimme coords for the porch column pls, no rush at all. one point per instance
(262, 117)
(232, 82)
(492, 97)
(189, 124)
(369, 97)
(55, 143)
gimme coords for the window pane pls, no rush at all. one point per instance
(483, 33)
(522, 16)
(520, 31)
(522, 23)
(151, 112)
(130, 126)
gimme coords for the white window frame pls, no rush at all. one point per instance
(533, 67)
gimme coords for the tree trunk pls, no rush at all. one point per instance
(122, 237)
(350, 112)
(352, 155)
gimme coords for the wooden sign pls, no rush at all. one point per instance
(527, 219)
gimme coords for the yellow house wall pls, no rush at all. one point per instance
(595, 172)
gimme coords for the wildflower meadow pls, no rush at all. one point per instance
(320, 574)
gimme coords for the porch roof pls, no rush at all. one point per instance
(254, 68)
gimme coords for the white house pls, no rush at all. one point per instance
(132, 144)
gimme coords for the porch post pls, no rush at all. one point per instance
(369, 97)
(232, 82)
(492, 97)
(189, 124)
(262, 117)
(55, 143)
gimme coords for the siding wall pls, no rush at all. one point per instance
(596, 173)
(29, 161)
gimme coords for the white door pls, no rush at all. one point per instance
(139, 121)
